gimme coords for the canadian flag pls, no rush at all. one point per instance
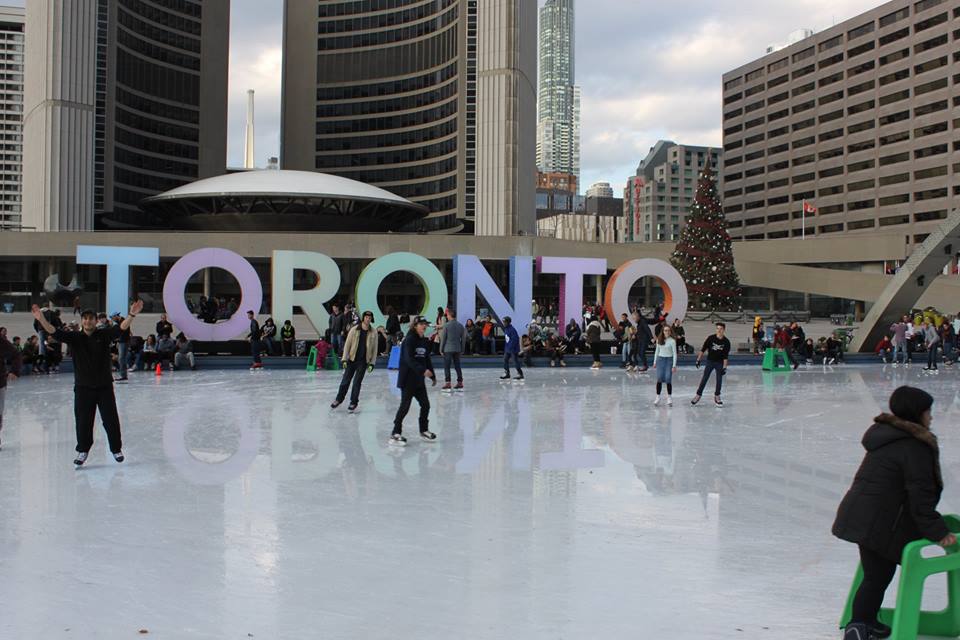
(808, 208)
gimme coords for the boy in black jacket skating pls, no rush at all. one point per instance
(415, 368)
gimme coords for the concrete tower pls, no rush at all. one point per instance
(248, 160)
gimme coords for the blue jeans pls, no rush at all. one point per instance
(898, 349)
(337, 342)
(122, 359)
(491, 345)
(711, 367)
(625, 353)
(665, 370)
(516, 361)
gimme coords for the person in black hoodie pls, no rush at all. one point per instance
(893, 501)
(415, 367)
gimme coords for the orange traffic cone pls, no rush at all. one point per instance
(159, 370)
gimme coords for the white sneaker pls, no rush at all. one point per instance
(669, 401)
(397, 440)
(657, 401)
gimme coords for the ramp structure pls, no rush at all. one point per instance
(910, 282)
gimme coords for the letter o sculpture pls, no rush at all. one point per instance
(618, 288)
(433, 283)
(251, 294)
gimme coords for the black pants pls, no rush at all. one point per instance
(353, 372)
(877, 574)
(516, 362)
(86, 401)
(595, 350)
(448, 359)
(408, 393)
(640, 352)
(288, 347)
(255, 349)
(711, 367)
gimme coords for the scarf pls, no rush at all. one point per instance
(921, 433)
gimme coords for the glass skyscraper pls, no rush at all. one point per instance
(558, 100)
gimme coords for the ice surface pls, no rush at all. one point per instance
(563, 507)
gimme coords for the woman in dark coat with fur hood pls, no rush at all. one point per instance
(893, 501)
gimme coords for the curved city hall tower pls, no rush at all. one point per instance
(387, 94)
(131, 102)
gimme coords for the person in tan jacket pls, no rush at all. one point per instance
(359, 356)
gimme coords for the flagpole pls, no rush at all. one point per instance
(803, 220)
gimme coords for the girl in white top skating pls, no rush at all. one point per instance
(665, 360)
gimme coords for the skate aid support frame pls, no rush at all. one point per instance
(907, 620)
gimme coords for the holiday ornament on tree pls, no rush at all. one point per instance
(704, 255)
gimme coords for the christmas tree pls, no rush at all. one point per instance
(704, 256)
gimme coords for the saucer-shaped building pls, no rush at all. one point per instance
(281, 201)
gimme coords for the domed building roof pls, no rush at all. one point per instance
(280, 200)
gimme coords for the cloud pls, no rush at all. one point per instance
(648, 70)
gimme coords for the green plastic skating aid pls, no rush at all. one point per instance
(907, 620)
(333, 362)
(312, 359)
(771, 357)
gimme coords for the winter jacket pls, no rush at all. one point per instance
(336, 324)
(414, 360)
(287, 333)
(574, 334)
(894, 496)
(593, 332)
(512, 344)
(353, 342)
(899, 330)
(453, 337)
(9, 352)
(393, 325)
(931, 336)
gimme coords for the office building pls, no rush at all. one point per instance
(11, 116)
(560, 181)
(129, 100)
(392, 98)
(658, 198)
(600, 190)
(558, 99)
(859, 121)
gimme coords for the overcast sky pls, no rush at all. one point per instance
(649, 70)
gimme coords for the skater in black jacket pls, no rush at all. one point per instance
(717, 350)
(893, 501)
(93, 377)
(415, 368)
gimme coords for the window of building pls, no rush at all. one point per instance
(861, 146)
(832, 228)
(803, 55)
(803, 106)
(803, 89)
(774, 133)
(861, 224)
(860, 50)
(831, 153)
(737, 128)
(732, 192)
(930, 129)
(802, 160)
(754, 155)
(894, 57)
(800, 196)
(733, 114)
(755, 106)
(755, 139)
(834, 77)
(779, 217)
(830, 117)
(927, 87)
(933, 107)
(830, 97)
(901, 198)
(732, 208)
(890, 221)
(730, 146)
(836, 41)
(932, 43)
(780, 97)
(754, 123)
(896, 76)
(896, 96)
(731, 84)
(860, 166)
(754, 188)
(830, 172)
(928, 152)
(779, 64)
(923, 5)
(861, 126)
(931, 22)
(757, 204)
(780, 148)
(776, 82)
(803, 71)
(732, 99)
(896, 16)
(861, 185)
(861, 87)
(896, 158)
(930, 65)
(753, 75)
(933, 172)
(894, 117)
(930, 194)
(776, 184)
(830, 135)
(927, 216)
(778, 166)
(832, 60)
(893, 138)
(857, 70)
(894, 36)
(732, 176)
(805, 177)
(830, 191)
(803, 142)
(860, 205)
(860, 31)
(751, 173)
(803, 124)
(776, 115)
(894, 179)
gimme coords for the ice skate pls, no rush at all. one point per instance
(459, 387)
(695, 400)
(397, 440)
(428, 436)
(335, 404)
(118, 456)
(717, 401)
(446, 388)
(352, 408)
(657, 401)
(669, 401)
(81, 458)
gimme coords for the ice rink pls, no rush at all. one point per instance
(564, 507)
